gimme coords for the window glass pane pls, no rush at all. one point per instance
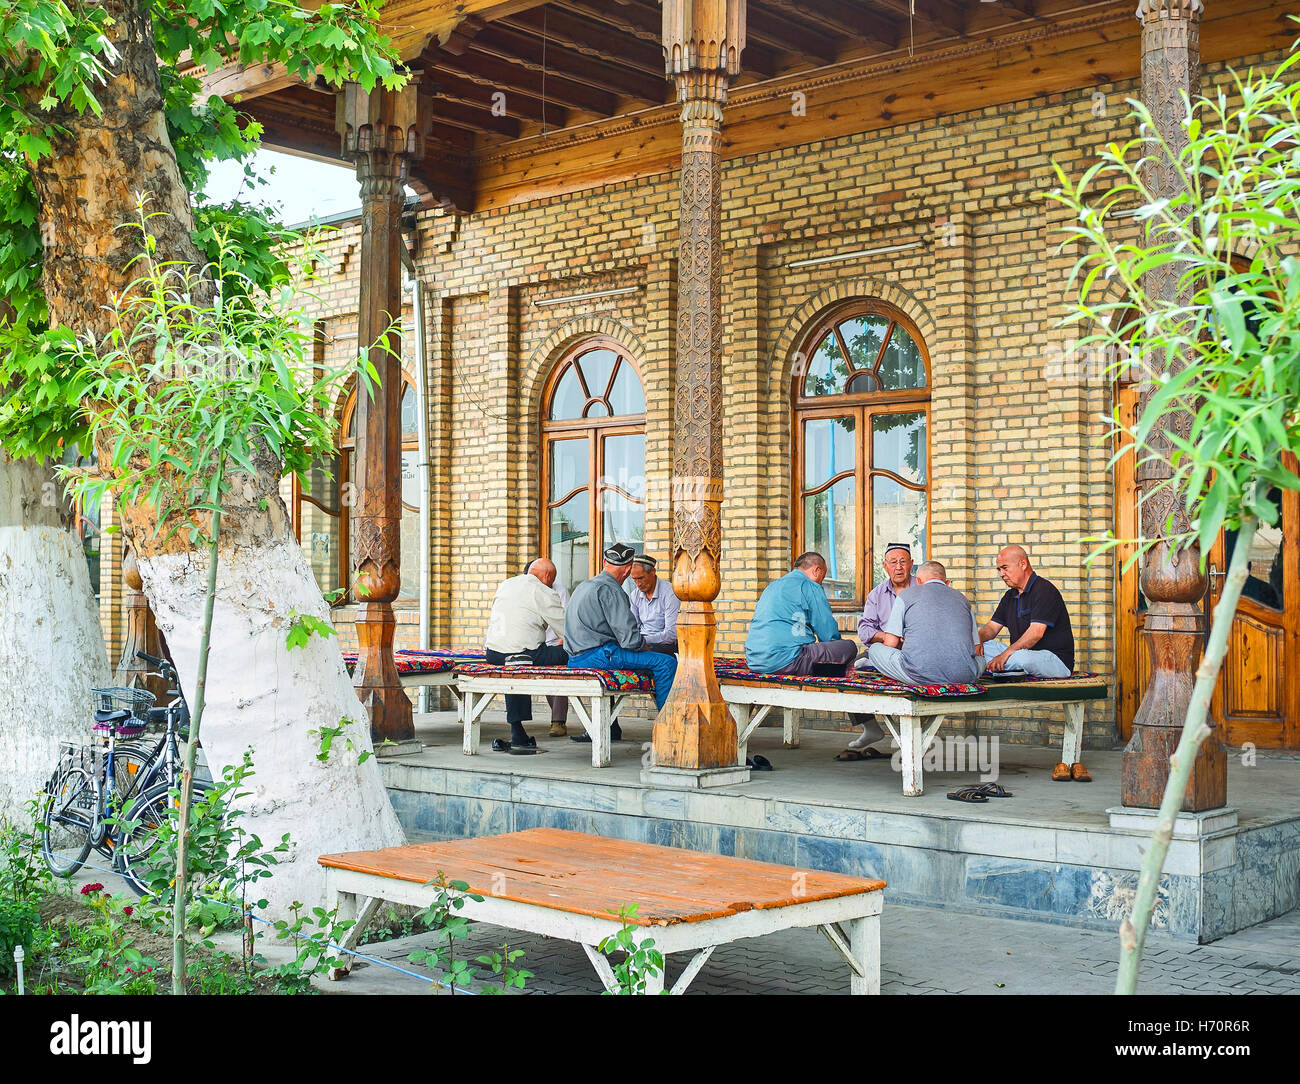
(410, 413)
(570, 541)
(897, 515)
(902, 366)
(412, 490)
(864, 336)
(828, 448)
(829, 527)
(597, 366)
(320, 541)
(1264, 575)
(625, 464)
(898, 444)
(624, 521)
(597, 410)
(863, 382)
(827, 370)
(568, 466)
(408, 594)
(568, 400)
(627, 396)
(350, 429)
(322, 481)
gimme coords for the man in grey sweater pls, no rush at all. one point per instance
(931, 637)
(601, 633)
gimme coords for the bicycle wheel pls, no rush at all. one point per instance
(133, 765)
(134, 854)
(71, 799)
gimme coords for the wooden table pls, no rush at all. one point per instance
(572, 885)
(913, 721)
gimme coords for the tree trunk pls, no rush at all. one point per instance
(259, 694)
(51, 647)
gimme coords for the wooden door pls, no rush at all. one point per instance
(1257, 698)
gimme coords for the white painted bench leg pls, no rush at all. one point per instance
(469, 724)
(741, 712)
(912, 737)
(1072, 740)
(864, 941)
(599, 733)
(603, 970)
(346, 903)
(790, 728)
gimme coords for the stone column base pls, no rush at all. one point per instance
(404, 748)
(694, 779)
(1186, 825)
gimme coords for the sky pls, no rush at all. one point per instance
(300, 187)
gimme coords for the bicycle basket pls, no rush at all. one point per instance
(136, 702)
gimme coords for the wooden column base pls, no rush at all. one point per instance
(376, 680)
(1173, 633)
(695, 729)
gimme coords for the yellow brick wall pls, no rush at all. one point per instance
(1014, 448)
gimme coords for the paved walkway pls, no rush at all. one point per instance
(923, 951)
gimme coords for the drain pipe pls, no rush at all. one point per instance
(416, 285)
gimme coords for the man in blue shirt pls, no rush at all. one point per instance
(793, 630)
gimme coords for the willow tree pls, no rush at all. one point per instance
(95, 115)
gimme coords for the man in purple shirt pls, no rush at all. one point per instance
(897, 564)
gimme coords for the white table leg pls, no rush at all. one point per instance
(471, 714)
(864, 941)
(790, 728)
(1072, 740)
(741, 712)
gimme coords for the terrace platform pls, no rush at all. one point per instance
(1056, 852)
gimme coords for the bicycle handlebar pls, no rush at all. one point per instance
(153, 660)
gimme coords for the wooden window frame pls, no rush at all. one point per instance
(862, 406)
(595, 430)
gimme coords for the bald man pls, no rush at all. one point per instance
(1034, 615)
(522, 610)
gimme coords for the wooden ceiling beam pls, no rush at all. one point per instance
(452, 88)
(496, 74)
(518, 48)
(473, 118)
(850, 20)
(585, 37)
(947, 18)
(769, 27)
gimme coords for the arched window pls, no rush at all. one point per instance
(593, 458)
(861, 444)
(323, 531)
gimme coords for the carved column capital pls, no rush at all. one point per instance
(1152, 11)
(703, 35)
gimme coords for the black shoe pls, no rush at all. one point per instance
(615, 734)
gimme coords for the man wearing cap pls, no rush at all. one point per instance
(897, 564)
(932, 636)
(524, 608)
(601, 633)
(654, 605)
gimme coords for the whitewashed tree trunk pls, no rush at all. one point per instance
(51, 645)
(264, 696)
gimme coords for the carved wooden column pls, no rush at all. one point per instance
(381, 133)
(141, 634)
(695, 734)
(1173, 585)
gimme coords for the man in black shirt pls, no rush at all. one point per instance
(1034, 615)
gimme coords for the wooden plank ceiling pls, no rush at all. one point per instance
(515, 73)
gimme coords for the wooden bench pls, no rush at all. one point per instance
(572, 886)
(913, 721)
(596, 704)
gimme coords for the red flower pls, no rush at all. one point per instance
(127, 910)
(88, 890)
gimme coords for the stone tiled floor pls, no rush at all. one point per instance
(923, 952)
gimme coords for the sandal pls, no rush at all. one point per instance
(861, 754)
(994, 790)
(967, 794)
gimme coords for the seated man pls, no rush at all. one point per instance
(522, 610)
(897, 564)
(654, 605)
(1033, 612)
(602, 634)
(931, 637)
(793, 630)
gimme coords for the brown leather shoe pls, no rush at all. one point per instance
(558, 730)
(1079, 773)
(1061, 773)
